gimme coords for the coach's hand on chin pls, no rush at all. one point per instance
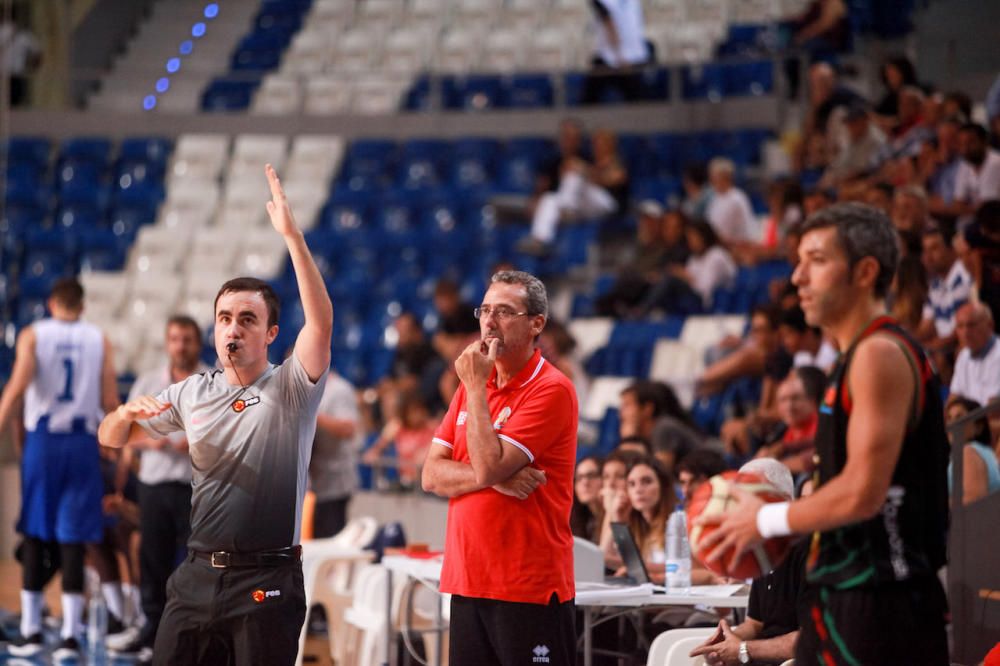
(474, 365)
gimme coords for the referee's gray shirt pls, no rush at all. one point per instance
(167, 464)
(249, 465)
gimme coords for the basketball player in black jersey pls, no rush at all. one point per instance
(879, 515)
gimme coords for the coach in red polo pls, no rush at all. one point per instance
(504, 455)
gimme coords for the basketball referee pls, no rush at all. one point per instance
(238, 597)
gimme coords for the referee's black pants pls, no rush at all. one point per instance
(165, 525)
(487, 632)
(231, 617)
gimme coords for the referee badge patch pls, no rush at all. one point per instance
(240, 405)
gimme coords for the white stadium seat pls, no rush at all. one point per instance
(605, 392)
(328, 95)
(277, 96)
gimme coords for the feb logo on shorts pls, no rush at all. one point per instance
(260, 595)
(240, 405)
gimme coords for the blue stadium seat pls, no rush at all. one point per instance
(225, 94)
(573, 87)
(529, 91)
(521, 161)
(86, 149)
(101, 250)
(126, 217)
(138, 180)
(27, 149)
(746, 39)
(18, 217)
(422, 164)
(418, 96)
(151, 150)
(75, 178)
(368, 164)
(73, 216)
(474, 163)
(666, 155)
(32, 308)
(476, 92)
(703, 81)
(655, 84)
(748, 78)
(610, 432)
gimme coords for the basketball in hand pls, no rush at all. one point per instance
(713, 499)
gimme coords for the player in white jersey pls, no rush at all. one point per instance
(64, 372)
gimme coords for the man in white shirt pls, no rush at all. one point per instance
(620, 49)
(949, 289)
(978, 177)
(729, 211)
(977, 368)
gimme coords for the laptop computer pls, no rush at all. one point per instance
(631, 557)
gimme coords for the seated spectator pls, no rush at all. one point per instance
(650, 501)
(729, 210)
(587, 513)
(956, 103)
(770, 630)
(908, 293)
(911, 128)
(456, 321)
(697, 193)
(691, 288)
(910, 216)
(557, 345)
(805, 343)
(942, 172)
(826, 94)
(784, 203)
(411, 433)
(620, 51)
(749, 359)
(696, 468)
(980, 468)
(978, 176)
(879, 195)
(792, 441)
(614, 499)
(584, 191)
(857, 148)
(982, 254)
(949, 288)
(415, 364)
(633, 444)
(822, 29)
(977, 368)
(642, 268)
(651, 412)
(896, 72)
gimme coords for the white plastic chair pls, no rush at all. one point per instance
(590, 334)
(459, 51)
(314, 158)
(277, 96)
(200, 155)
(477, 10)
(328, 96)
(504, 52)
(357, 51)
(366, 618)
(662, 647)
(341, 11)
(588, 561)
(551, 49)
(382, 13)
(605, 392)
(407, 50)
(377, 96)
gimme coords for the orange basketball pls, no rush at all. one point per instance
(713, 499)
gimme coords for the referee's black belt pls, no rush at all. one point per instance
(222, 559)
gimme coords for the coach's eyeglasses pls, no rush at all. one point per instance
(502, 313)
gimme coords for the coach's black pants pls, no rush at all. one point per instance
(234, 617)
(165, 525)
(486, 632)
(897, 623)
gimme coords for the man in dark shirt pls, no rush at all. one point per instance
(768, 634)
(983, 237)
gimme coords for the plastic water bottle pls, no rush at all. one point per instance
(678, 553)
(97, 628)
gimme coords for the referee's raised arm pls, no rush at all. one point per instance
(312, 347)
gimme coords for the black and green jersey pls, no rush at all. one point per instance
(906, 539)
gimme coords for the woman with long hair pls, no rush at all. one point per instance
(587, 515)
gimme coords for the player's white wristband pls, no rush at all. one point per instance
(772, 520)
